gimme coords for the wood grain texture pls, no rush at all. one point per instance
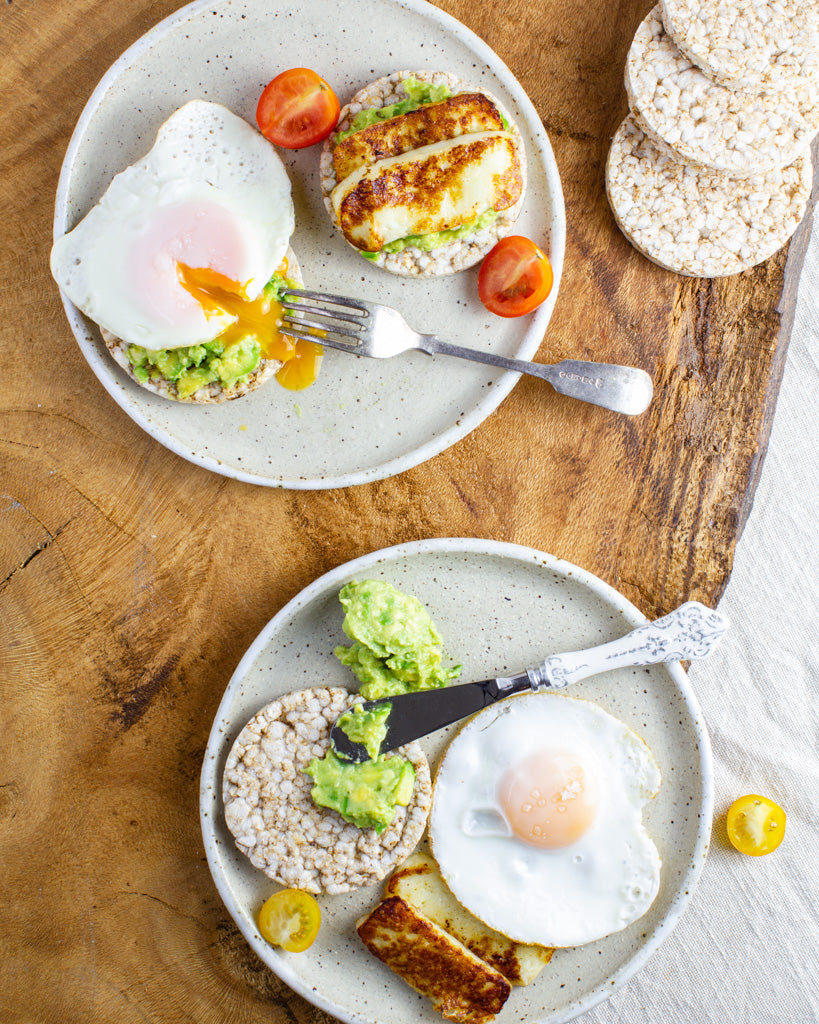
(126, 594)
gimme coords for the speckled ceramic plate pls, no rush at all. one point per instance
(500, 608)
(363, 419)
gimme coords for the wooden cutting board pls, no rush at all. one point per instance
(127, 599)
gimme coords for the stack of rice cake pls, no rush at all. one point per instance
(711, 172)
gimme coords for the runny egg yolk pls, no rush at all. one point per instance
(261, 317)
(548, 799)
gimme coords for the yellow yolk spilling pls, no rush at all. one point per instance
(547, 799)
(260, 317)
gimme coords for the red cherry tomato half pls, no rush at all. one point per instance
(297, 109)
(515, 277)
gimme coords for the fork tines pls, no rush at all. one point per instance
(296, 302)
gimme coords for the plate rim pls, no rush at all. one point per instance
(210, 787)
(118, 385)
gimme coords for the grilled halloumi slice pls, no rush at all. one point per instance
(430, 189)
(468, 112)
(461, 986)
(418, 882)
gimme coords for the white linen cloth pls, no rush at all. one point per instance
(747, 949)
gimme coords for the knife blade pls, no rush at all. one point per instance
(413, 715)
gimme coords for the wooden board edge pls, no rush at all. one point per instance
(786, 308)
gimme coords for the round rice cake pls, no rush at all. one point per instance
(697, 222)
(748, 44)
(271, 814)
(211, 393)
(738, 132)
(412, 261)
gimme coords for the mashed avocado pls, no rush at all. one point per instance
(194, 366)
(396, 648)
(418, 94)
(364, 794)
(366, 727)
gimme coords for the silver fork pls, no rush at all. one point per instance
(369, 329)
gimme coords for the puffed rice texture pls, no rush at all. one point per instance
(748, 44)
(271, 814)
(738, 132)
(696, 222)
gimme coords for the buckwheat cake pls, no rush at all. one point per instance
(747, 44)
(481, 123)
(273, 818)
(738, 132)
(215, 391)
(699, 222)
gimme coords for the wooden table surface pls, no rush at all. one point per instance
(125, 599)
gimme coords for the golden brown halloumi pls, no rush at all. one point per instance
(461, 986)
(430, 189)
(418, 882)
(466, 113)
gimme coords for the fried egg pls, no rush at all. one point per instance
(536, 820)
(211, 196)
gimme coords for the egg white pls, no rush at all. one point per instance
(597, 885)
(209, 167)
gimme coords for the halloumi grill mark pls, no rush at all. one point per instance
(461, 986)
(431, 189)
(466, 113)
(418, 882)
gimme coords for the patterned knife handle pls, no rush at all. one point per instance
(690, 631)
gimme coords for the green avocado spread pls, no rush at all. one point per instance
(396, 648)
(366, 727)
(194, 366)
(417, 95)
(364, 794)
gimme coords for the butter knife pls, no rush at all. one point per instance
(690, 632)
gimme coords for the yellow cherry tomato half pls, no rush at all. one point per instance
(756, 825)
(290, 919)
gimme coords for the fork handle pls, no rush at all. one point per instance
(620, 388)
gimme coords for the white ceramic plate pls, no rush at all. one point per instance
(363, 419)
(500, 608)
